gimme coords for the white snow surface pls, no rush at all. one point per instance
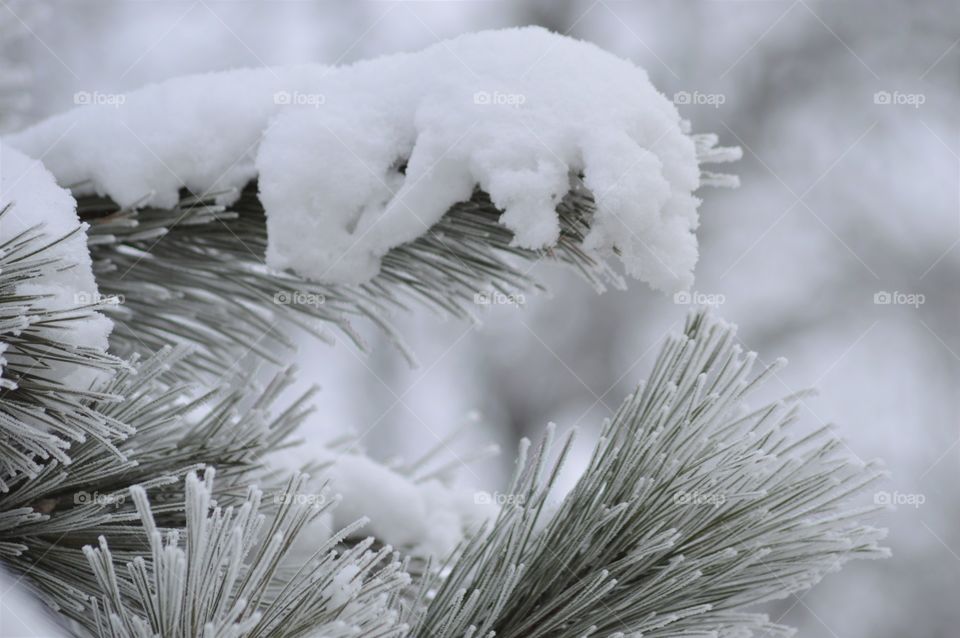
(344, 586)
(423, 518)
(21, 614)
(37, 199)
(518, 112)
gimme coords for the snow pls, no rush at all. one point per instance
(344, 586)
(422, 518)
(519, 112)
(36, 199)
(21, 614)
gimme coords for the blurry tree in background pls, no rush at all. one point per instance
(15, 76)
(841, 249)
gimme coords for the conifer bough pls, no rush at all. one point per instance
(692, 510)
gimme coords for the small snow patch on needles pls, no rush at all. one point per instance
(33, 205)
(355, 160)
(424, 518)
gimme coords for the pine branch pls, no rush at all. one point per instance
(174, 428)
(39, 416)
(196, 274)
(215, 578)
(691, 510)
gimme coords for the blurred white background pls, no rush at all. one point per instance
(847, 114)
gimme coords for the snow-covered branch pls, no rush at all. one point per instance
(355, 160)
